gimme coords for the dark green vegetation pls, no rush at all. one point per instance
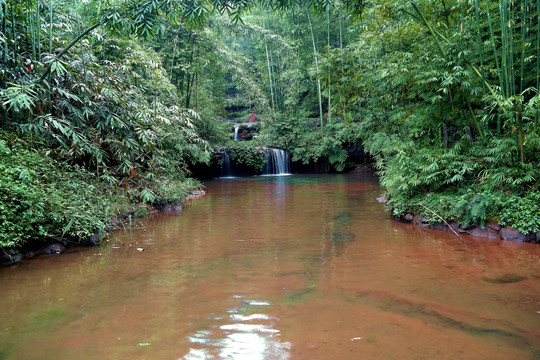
(108, 104)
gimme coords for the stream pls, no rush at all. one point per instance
(277, 267)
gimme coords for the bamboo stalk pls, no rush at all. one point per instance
(273, 81)
(521, 136)
(316, 68)
(83, 60)
(38, 26)
(538, 59)
(70, 45)
(497, 65)
(511, 51)
(328, 84)
(340, 31)
(523, 44)
(426, 24)
(269, 74)
(504, 48)
(50, 26)
(479, 37)
(32, 33)
(495, 52)
(473, 115)
(13, 33)
(4, 32)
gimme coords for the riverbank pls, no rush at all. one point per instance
(47, 204)
(432, 219)
(490, 230)
(36, 247)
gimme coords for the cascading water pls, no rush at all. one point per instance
(277, 162)
(236, 127)
(226, 164)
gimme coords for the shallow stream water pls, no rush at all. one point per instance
(287, 267)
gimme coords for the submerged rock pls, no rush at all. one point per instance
(8, 259)
(505, 279)
(93, 240)
(421, 221)
(55, 248)
(170, 207)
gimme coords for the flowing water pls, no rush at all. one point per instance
(296, 267)
(236, 127)
(277, 162)
(226, 170)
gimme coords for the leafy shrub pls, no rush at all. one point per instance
(244, 153)
(41, 198)
(170, 190)
(522, 212)
(469, 207)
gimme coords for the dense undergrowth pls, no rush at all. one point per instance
(42, 198)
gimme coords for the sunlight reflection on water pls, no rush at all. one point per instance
(248, 337)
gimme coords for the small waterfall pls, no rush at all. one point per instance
(226, 165)
(277, 162)
(236, 127)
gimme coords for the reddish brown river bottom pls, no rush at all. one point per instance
(297, 267)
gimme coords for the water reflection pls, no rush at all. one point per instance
(246, 333)
(278, 189)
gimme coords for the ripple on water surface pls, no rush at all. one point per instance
(250, 336)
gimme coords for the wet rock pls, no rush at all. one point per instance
(172, 207)
(478, 231)
(421, 221)
(55, 248)
(493, 227)
(439, 226)
(382, 199)
(197, 194)
(11, 258)
(510, 233)
(30, 255)
(408, 217)
(454, 225)
(93, 240)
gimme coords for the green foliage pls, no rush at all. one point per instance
(522, 212)
(41, 198)
(168, 190)
(308, 143)
(473, 207)
(244, 153)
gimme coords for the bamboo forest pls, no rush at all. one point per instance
(221, 177)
